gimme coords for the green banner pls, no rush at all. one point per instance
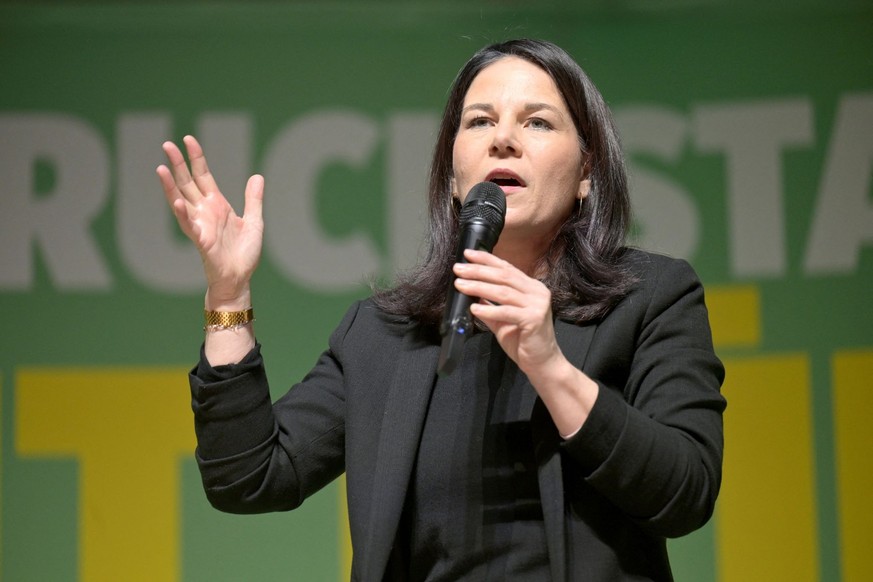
(749, 137)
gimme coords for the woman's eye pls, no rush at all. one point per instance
(537, 123)
(478, 122)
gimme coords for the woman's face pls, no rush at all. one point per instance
(516, 131)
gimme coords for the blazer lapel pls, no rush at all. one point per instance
(405, 410)
(574, 342)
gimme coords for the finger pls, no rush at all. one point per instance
(498, 315)
(254, 205)
(168, 184)
(512, 319)
(484, 258)
(199, 168)
(498, 328)
(492, 292)
(173, 153)
(174, 197)
(180, 210)
(180, 172)
(501, 273)
(177, 202)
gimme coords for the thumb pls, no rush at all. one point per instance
(254, 205)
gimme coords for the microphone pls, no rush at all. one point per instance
(481, 221)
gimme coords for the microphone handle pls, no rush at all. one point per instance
(457, 322)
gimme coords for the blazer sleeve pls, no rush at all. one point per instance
(257, 456)
(653, 441)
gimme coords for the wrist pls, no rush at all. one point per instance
(569, 395)
(553, 372)
(238, 301)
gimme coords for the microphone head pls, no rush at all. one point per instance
(485, 203)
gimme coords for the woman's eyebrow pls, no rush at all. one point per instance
(539, 106)
(487, 107)
(528, 107)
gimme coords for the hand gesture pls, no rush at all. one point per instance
(518, 310)
(515, 307)
(229, 245)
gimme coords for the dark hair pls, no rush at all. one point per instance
(582, 268)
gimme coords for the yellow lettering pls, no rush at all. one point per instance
(852, 403)
(345, 537)
(128, 429)
(766, 527)
(735, 316)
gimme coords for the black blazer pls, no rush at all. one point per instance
(646, 465)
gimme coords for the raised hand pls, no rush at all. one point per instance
(229, 245)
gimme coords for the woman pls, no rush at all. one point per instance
(583, 425)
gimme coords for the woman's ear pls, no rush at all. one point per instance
(585, 179)
(584, 188)
(455, 194)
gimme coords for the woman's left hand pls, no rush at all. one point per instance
(518, 310)
(514, 306)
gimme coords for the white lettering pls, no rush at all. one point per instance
(843, 219)
(752, 137)
(666, 219)
(56, 172)
(291, 170)
(58, 221)
(410, 143)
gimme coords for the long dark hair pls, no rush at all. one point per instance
(582, 267)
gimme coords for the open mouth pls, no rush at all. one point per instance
(505, 181)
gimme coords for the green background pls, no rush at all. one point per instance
(279, 61)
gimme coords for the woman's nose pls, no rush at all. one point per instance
(505, 141)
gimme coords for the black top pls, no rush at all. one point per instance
(474, 511)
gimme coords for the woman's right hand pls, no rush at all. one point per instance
(229, 245)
